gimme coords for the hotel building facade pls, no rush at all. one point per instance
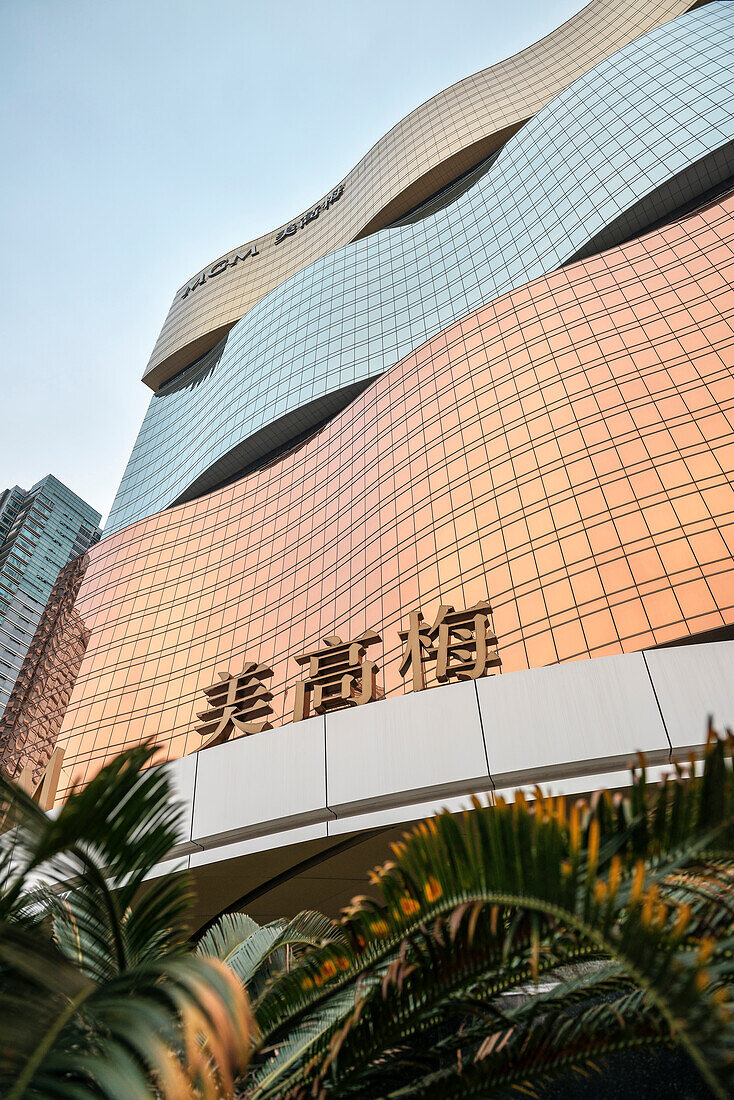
(455, 443)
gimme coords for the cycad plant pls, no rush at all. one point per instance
(620, 906)
(259, 953)
(615, 914)
(100, 995)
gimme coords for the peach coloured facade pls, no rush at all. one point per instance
(566, 451)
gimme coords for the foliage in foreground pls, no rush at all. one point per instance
(100, 995)
(258, 953)
(622, 907)
(622, 904)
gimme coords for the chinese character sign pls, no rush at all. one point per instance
(460, 644)
(310, 215)
(237, 703)
(338, 676)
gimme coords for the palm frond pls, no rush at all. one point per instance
(228, 933)
(257, 953)
(509, 892)
(110, 1005)
(165, 1025)
(106, 840)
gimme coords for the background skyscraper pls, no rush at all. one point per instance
(40, 531)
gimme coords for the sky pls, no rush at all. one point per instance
(140, 139)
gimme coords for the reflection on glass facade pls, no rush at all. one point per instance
(634, 134)
(32, 719)
(566, 450)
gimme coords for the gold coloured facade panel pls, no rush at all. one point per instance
(429, 148)
(566, 451)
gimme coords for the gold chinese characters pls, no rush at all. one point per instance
(461, 643)
(337, 676)
(239, 703)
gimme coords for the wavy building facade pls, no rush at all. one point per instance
(494, 365)
(572, 181)
(433, 146)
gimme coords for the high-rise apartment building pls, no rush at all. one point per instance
(434, 493)
(10, 502)
(40, 532)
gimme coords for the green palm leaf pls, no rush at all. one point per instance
(256, 953)
(473, 908)
(111, 1005)
(225, 935)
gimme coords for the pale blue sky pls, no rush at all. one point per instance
(142, 138)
